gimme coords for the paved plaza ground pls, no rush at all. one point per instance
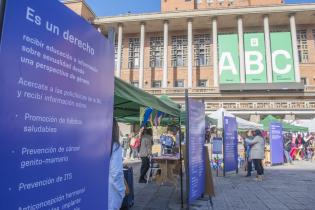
(287, 187)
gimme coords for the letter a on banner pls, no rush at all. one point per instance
(229, 65)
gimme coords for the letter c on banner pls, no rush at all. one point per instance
(275, 68)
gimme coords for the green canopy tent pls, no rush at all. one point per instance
(128, 100)
(183, 114)
(286, 126)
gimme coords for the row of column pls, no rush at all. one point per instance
(215, 52)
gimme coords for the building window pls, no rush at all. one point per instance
(116, 51)
(156, 52)
(134, 53)
(304, 80)
(179, 83)
(156, 84)
(202, 83)
(135, 83)
(302, 45)
(179, 51)
(202, 49)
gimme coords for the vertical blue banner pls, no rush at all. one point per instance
(217, 145)
(56, 109)
(276, 143)
(230, 144)
(196, 113)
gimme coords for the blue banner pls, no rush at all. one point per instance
(196, 114)
(230, 144)
(56, 109)
(217, 146)
(276, 143)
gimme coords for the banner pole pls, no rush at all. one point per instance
(181, 163)
(223, 141)
(236, 150)
(2, 11)
(187, 147)
(217, 165)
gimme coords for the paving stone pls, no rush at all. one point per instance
(288, 187)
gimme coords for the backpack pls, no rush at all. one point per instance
(167, 141)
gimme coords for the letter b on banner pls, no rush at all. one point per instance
(255, 58)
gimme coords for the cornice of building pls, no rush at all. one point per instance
(78, 1)
(290, 8)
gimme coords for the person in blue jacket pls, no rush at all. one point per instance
(116, 185)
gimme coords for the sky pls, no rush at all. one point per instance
(119, 7)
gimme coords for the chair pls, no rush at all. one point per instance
(154, 168)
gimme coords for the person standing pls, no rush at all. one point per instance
(135, 145)
(116, 185)
(287, 149)
(145, 152)
(257, 153)
(249, 137)
(126, 145)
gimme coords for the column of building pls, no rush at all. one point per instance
(267, 48)
(165, 54)
(141, 65)
(119, 48)
(189, 54)
(240, 29)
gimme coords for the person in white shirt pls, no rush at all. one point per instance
(116, 185)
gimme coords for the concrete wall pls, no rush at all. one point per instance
(173, 5)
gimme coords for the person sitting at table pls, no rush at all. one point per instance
(168, 142)
(145, 152)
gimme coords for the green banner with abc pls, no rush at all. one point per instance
(229, 64)
(282, 57)
(255, 58)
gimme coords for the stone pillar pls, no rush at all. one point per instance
(119, 45)
(165, 53)
(215, 52)
(254, 118)
(241, 48)
(267, 47)
(141, 69)
(295, 49)
(189, 48)
(289, 117)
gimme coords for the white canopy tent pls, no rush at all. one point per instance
(241, 123)
(310, 124)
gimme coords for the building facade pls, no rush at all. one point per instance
(251, 57)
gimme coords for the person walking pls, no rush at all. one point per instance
(135, 146)
(145, 152)
(249, 137)
(257, 153)
(287, 149)
(116, 185)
